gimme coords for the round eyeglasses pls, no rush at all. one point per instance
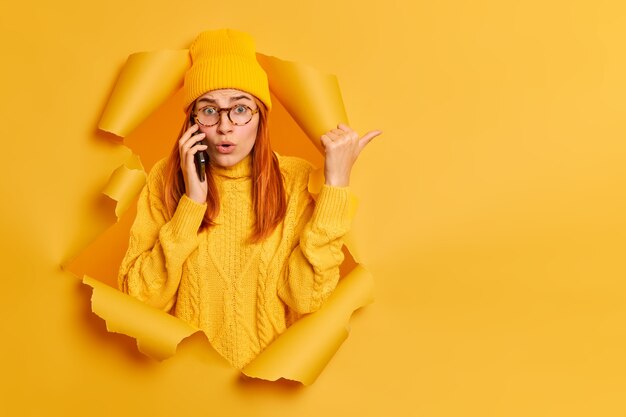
(238, 115)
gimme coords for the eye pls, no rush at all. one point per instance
(208, 111)
(240, 109)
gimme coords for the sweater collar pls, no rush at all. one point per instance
(241, 169)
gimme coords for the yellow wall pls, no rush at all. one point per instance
(492, 208)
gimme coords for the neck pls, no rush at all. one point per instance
(241, 169)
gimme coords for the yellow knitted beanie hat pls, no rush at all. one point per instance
(224, 59)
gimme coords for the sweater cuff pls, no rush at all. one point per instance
(334, 209)
(188, 217)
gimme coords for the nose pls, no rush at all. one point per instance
(224, 125)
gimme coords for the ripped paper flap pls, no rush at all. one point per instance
(146, 81)
(157, 333)
(303, 350)
(125, 184)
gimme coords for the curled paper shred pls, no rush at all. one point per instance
(301, 88)
(316, 181)
(147, 80)
(303, 351)
(157, 333)
(125, 184)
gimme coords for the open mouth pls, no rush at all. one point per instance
(225, 147)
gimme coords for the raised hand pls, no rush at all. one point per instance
(343, 146)
(187, 148)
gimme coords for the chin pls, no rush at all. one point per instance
(227, 161)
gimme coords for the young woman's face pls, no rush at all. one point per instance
(228, 143)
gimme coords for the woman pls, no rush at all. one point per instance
(238, 247)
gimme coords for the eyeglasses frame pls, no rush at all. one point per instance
(227, 110)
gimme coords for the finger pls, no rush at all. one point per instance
(347, 131)
(188, 133)
(196, 148)
(367, 138)
(332, 135)
(342, 135)
(190, 157)
(344, 127)
(325, 140)
(191, 141)
(189, 149)
(187, 141)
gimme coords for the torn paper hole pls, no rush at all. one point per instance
(301, 352)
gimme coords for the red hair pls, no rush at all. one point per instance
(268, 191)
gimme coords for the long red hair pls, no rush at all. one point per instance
(268, 191)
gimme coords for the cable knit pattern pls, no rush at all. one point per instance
(266, 328)
(240, 294)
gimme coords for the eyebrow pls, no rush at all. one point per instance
(235, 98)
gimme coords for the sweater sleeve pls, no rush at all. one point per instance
(313, 266)
(158, 246)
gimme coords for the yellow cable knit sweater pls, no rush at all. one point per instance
(241, 295)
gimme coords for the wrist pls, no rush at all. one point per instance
(337, 181)
(196, 198)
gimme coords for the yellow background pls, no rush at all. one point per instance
(492, 208)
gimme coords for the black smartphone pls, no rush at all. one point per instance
(200, 158)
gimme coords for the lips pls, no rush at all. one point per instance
(225, 147)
